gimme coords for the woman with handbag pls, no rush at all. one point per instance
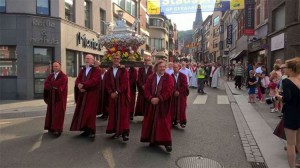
(291, 108)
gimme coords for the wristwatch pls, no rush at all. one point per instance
(117, 92)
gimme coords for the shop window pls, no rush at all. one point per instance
(42, 61)
(43, 7)
(71, 63)
(8, 61)
(69, 10)
(2, 6)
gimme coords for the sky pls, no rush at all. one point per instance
(185, 21)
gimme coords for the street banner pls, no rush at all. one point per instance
(229, 34)
(237, 4)
(185, 6)
(249, 17)
(153, 7)
(222, 5)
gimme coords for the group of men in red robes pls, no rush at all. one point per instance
(161, 100)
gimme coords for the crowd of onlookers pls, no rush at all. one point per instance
(281, 89)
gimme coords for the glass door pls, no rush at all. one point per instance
(42, 60)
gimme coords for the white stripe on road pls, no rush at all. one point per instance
(222, 99)
(200, 99)
(37, 144)
(107, 153)
(4, 123)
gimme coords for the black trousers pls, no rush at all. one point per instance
(238, 81)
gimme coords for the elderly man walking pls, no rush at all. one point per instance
(87, 91)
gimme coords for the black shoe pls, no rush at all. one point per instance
(104, 117)
(85, 133)
(151, 144)
(91, 136)
(131, 117)
(168, 148)
(56, 133)
(115, 136)
(203, 93)
(125, 137)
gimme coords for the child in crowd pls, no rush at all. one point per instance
(264, 83)
(251, 86)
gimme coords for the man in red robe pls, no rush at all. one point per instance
(55, 95)
(87, 91)
(104, 97)
(117, 86)
(132, 81)
(179, 97)
(143, 74)
(156, 127)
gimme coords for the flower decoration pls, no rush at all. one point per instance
(126, 53)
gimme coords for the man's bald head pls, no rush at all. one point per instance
(89, 59)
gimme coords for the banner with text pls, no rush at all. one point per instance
(249, 17)
(185, 6)
(237, 4)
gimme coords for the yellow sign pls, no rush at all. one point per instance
(153, 7)
(237, 4)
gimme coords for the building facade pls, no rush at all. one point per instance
(284, 26)
(34, 33)
(159, 29)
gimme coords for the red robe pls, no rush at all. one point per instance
(178, 103)
(55, 95)
(132, 81)
(142, 103)
(118, 118)
(157, 119)
(103, 97)
(84, 118)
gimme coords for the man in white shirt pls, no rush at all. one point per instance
(213, 67)
(170, 70)
(186, 71)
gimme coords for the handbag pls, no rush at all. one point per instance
(279, 130)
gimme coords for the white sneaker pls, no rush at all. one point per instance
(273, 110)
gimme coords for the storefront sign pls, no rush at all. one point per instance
(44, 39)
(256, 45)
(87, 43)
(229, 34)
(249, 17)
(277, 42)
(43, 23)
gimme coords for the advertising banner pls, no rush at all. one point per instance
(185, 6)
(237, 4)
(229, 34)
(249, 17)
(222, 6)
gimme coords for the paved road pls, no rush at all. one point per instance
(211, 132)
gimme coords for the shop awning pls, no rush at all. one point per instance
(238, 55)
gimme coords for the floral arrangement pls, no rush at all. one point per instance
(127, 54)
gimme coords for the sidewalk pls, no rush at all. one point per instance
(261, 124)
(29, 108)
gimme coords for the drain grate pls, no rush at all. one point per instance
(258, 165)
(197, 162)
